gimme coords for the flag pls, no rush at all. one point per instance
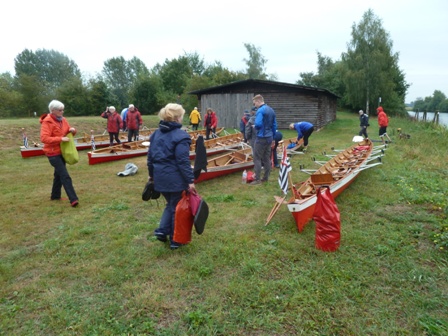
(92, 141)
(285, 168)
(25, 140)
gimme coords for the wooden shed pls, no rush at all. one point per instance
(291, 102)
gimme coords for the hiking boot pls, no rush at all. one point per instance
(175, 246)
(160, 237)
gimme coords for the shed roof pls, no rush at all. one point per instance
(255, 85)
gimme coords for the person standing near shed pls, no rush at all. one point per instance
(265, 126)
(210, 123)
(195, 118)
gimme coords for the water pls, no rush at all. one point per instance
(443, 117)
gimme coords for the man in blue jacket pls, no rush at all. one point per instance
(304, 130)
(265, 127)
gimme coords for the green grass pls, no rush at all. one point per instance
(96, 270)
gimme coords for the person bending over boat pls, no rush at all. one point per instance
(169, 166)
(114, 124)
(53, 131)
(304, 130)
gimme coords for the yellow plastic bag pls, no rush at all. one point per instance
(69, 151)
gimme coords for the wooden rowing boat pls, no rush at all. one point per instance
(229, 163)
(195, 134)
(134, 149)
(85, 142)
(296, 148)
(118, 152)
(337, 173)
(218, 145)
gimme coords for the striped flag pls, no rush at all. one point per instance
(25, 140)
(285, 168)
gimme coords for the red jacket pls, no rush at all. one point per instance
(114, 121)
(133, 120)
(383, 120)
(51, 133)
(213, 120)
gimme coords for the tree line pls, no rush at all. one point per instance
(438, 102)
(366, 73)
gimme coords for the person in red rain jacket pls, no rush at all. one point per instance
(383, 122)
(133, 122)
(210, 123)
(114, 124)
(53, 131)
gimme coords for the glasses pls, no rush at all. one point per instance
(60, 110)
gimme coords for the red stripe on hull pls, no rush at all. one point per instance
(212, 174)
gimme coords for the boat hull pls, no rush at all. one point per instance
(224, 170)
(303, 211)
(38, 151)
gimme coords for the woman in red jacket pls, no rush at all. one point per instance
(210, 123)
(114, 124)
(53, 131)
(383, 121)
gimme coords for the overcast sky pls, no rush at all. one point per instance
(288, 33)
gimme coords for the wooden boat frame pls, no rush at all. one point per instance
(228, 163)
(337, 173)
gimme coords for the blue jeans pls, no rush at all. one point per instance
(166, 226)
(61, 178)
(262, 157)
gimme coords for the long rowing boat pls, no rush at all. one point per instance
(218, 145)
(133, 149)
(118, 152)
(85, 142)
(337, 173)
(228, 163)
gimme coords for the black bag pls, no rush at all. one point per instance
(149, 192)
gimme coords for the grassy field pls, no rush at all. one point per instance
(96, 270)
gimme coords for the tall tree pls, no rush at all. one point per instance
(256, 63)
(118, 76)
(372, 68)
(51, 67)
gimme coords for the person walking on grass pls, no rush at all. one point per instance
(363, 123)
(383, 122)
(53, 131)
(169, 167)
(265, 127)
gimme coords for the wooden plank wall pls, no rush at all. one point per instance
(290, 107)
(229, 107)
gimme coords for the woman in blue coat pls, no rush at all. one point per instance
(169, 166)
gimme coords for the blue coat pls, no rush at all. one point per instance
(169, 158)
(301, 127)
(265, 122)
